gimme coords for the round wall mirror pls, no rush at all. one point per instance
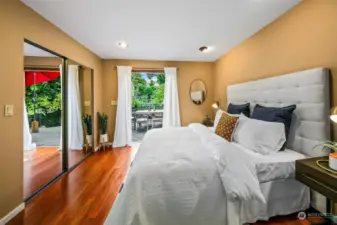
(198, 92)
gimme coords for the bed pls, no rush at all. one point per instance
(310, 91)
(189, 175)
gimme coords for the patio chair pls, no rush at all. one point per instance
(142, 120)
(156, 118)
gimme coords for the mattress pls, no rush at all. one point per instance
(275, 166)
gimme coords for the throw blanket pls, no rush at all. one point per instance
(187, 176)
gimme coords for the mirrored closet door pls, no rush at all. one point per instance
(80, 112)
(57, 112)
(42, 117)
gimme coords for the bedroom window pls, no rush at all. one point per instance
(147, 102)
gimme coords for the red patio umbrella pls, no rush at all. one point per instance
(36, 77)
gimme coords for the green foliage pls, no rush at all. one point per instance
(161, 78)
(48, 97)
(158, 95)
(48, 102)
(328, 146)
(87, 120)
(102, 122)
(148, 93)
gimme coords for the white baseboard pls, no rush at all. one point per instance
(12, 214)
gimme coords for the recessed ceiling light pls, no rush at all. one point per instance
(203, 49)
(122, 44)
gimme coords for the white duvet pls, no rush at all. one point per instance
(186, 176)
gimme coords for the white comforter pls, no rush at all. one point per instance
(186, 176)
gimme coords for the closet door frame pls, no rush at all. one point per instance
(64, 119)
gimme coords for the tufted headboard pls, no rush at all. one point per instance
(309, 90)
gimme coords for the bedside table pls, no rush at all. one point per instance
(317, 178)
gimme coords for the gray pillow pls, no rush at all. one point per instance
(238, 109)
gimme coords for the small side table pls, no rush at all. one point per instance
(318, 179)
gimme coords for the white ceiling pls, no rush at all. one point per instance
(30, 50)
(161, 29)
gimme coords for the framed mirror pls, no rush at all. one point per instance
(198, 92)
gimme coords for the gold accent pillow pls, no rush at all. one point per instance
(226, 125)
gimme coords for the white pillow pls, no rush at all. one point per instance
(217, 118)
(260, 136)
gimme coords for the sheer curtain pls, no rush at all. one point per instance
(171, 117)
(75, 130)
(123, 130)
(28, 144)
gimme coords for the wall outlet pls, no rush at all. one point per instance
(9, 110)
(87, 103)
(113, 102)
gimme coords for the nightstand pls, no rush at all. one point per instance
(317, 178)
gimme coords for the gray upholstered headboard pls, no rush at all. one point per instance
(309, 90)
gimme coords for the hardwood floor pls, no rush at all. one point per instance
(42, 165)
(86, 194)
(83, 196)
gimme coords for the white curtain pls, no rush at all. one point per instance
(123, 130)
(171, 117)
(28, 144)
(75, 130)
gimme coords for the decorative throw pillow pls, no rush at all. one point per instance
(238, 109)
(226, 125)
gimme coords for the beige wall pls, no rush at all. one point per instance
(16, 23)
(188, 71)
(305, 37)
(85, 89)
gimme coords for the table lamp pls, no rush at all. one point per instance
(216, 105)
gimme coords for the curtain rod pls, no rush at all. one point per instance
(146, 69)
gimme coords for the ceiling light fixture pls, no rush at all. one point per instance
(203, 49)
(122, 44)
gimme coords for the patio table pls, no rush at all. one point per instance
(145, 113)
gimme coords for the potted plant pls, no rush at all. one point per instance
(103, 125)
(87, 120)
(207, 121)
(331, 148)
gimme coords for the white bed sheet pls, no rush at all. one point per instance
(283, 197)
(275, 166)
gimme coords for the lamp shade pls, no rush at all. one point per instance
(216, 104)
(333, 116)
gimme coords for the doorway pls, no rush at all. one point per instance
(147, 103)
